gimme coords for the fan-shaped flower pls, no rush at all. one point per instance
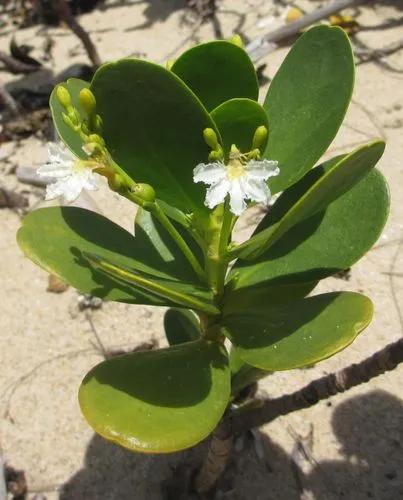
(240, 179)
(71, 175)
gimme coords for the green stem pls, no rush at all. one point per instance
(158, 213)
(218, 233)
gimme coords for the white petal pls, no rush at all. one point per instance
(237, 195)
(54, 190)
(256, 190)
(262, 169)
(72, 188)
(58, 153)
(217, 192)
(209, 173)
(91, 181)
(56, 170)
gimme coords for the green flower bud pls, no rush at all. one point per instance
(98, 123)
(69, 122)
(217, 155)
(260, 137)
(96, 138)
(237, 40)
(63, 96)
(87, 101)
(211, 139)
(145, 192)
(169, 64)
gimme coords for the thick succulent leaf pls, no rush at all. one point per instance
(216, 72)
(237, 121)
(175, 292)
(71, 138)
(243, 374)
(153, 127)
(337, 178)
(158, 401)
(328, 242)
(236, 298)
(307, 101)
(181, 325)
(161, 252)
(58, 238)
(297, 334)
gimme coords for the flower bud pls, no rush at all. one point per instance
(63, 96)
(145, 192)
(211, 138)
(260, 137)
(87, 101)
(237, 40)
(169, 64)
(98, 123)
(70, 122)
(217, 155)
(97, 139)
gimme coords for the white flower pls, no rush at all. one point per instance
(242, 180)
(71, 175)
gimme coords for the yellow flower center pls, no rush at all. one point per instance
(236, 168)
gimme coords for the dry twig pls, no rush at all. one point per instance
(260, 47)
(8, 101)
(16, 66)
(64, 12)
(358, 373)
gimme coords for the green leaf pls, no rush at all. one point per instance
(71, 138)
(236, 298)
(57, 239)
(337, 178)
(297, 334)
(328, 242)
(158, 401)
(160, 251)
(176, 293)
(237, 121)
(153, 127)
(181, 325)
(307, 101)
(216, 72)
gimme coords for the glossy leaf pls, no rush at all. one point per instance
(181, 325)
(297, 334)
(175, 292)
(216, 72)
(307, 101)
(328, 242)
(158, 401)
(153, 127)
(337, 178)
(71, 138)
(57, 239)
(161, 252)
(237, 121)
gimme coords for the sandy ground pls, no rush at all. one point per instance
(47, 345)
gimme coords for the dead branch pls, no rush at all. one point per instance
(8, 101)
(16, 66)
(64, 12)
(260, 47)
(382, 361)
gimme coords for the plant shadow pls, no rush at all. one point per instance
(368, 429)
